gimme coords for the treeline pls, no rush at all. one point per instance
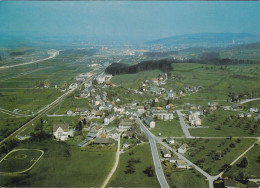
(22, 52)
(160, 54)
(89, 52)
(120, 68)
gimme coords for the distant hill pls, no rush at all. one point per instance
(207, 39)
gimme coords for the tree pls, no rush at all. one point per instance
(84, 122)
(243, 163)
(41, 126)
(79, 126)
(149, 171)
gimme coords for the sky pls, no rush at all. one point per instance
(125, 20)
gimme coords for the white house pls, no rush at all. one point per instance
(182, 149)
(69, 112)
(166, 153)
(169, 140)
(163, 114)
(61, 131)
(149, 121)
(109, 119)
(253, 110)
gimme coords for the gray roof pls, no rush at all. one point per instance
(65, 127)
(103, 141)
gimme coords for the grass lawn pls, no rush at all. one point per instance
(253, 164)
(229, 125)
(64, 166)
(212, 154)
(138, 178)
(134, 81)
(184, 178)
(18, 161)
(167, 128)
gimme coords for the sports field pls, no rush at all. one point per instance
(20, 160)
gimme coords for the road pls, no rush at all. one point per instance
(115, 165)
(43, 111)
(157, 163)
(183, 125)
(54, 54)
(249, 100)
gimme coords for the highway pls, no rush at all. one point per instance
(183, 125)
(157, 163)
(44, 111)
(54, 54)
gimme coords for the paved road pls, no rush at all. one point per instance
(157, 163)
(115, 165)
(54, 54)
(249, 100)
(254, 180)
(183, 125)
(209, 177)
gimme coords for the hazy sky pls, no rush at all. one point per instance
(131, 20)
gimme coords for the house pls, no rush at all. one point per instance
(126, 124)
(61, 131)
(194, 120)
(126, 145)
(109, 119)
(169, 106)
(98, 130)
(169, 140)
(155, 81)
(149, 121)
(229, 183)
(182, 149)
(166, 153)
(162, 114)
(104, 141)
(140, 109)
(181, 164)
(98, 115)
(113, 134)
(253, 110)
(69, 112)
(173, 159)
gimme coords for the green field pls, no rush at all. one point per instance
(227, 123)
(19, 161)
(138, 178)
(212, 154)
(134, 81)
(63, 165)
(252, 170)
(184, 178)
(167, 128)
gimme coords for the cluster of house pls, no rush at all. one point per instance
(194, 118)
(167, 155)
(249, 113)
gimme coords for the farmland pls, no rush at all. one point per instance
(137, 178)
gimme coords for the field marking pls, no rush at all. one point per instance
(26, 170)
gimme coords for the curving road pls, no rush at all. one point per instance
(157, 163)
(53, 54)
